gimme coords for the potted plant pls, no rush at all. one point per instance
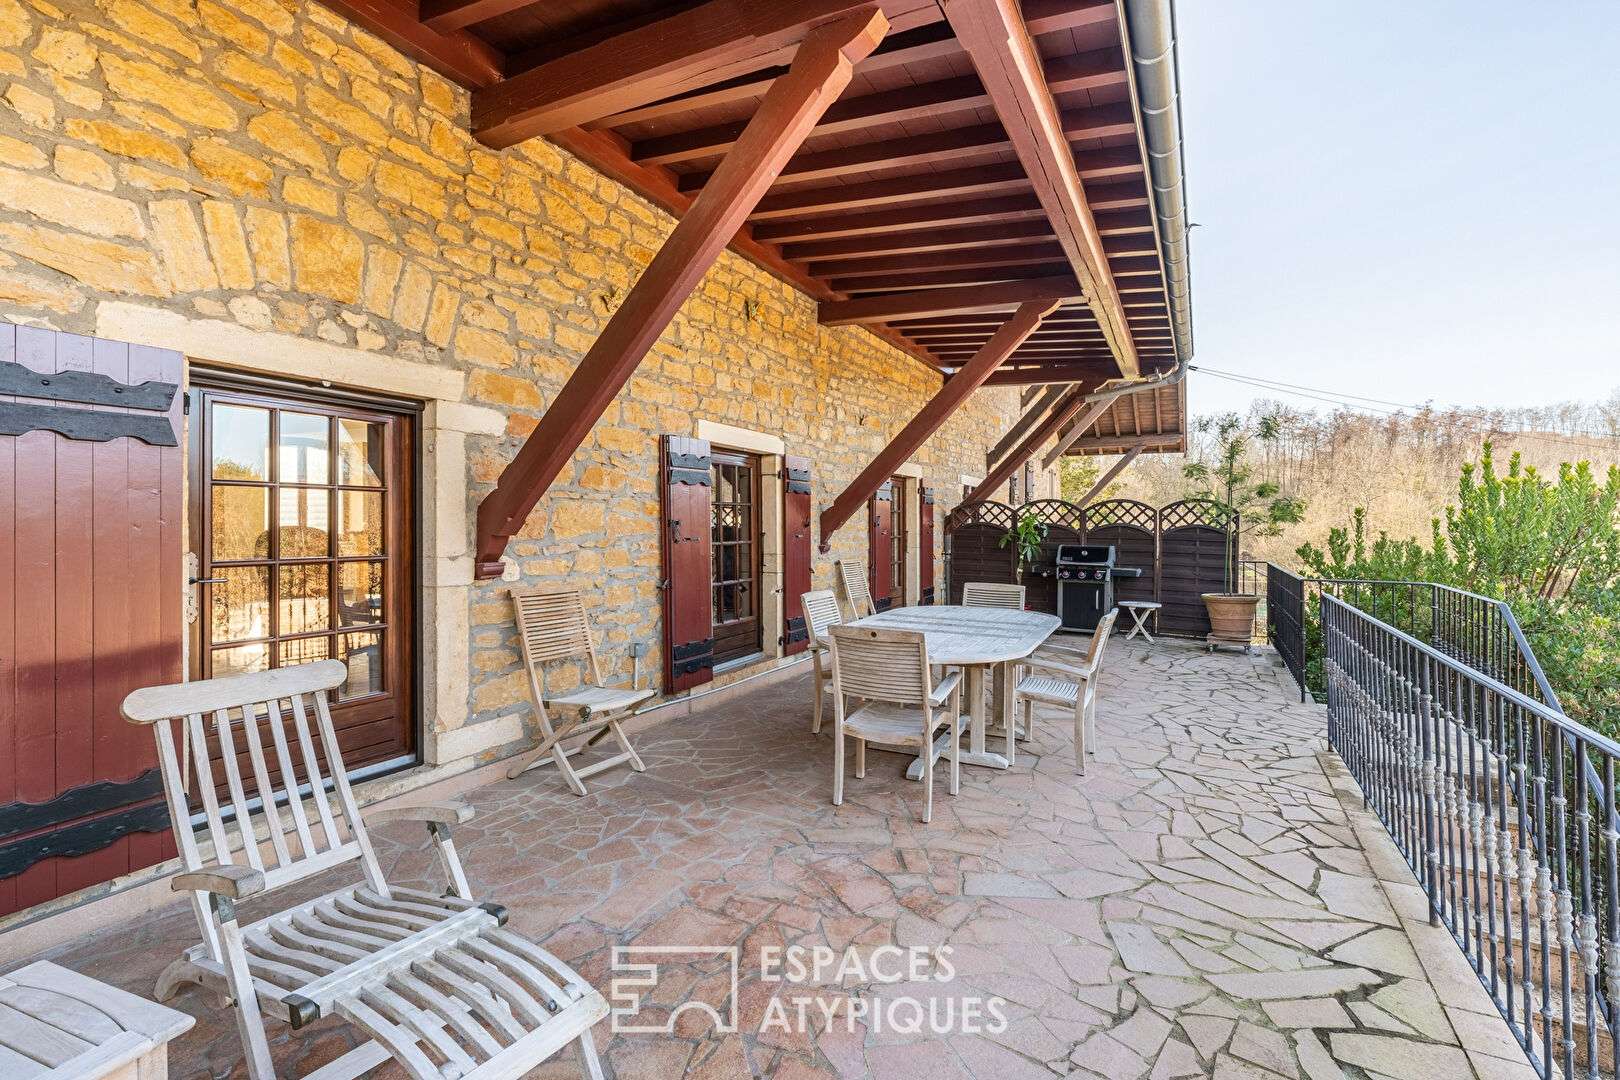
(1028, 532)
(1261, 508)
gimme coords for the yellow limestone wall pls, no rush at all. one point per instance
(265, 164)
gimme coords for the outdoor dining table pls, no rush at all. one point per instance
(978, 640)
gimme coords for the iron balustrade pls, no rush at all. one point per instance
(1285, 621)
(1504, 808)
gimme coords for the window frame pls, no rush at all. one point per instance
(723, 457)
(400, 702)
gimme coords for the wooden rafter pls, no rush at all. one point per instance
(1108, 477)
(941, 301)
(996, 38)
(819, 72)
(950, 397)
(687, 50)
(1005, 208)
(1065, 411)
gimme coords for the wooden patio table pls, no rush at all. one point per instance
(977, 640)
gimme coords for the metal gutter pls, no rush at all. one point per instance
(1150, 26)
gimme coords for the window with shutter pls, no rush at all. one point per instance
(687, 481)
(796, 516)
(735, 544)
(925, 546)
(880, 545)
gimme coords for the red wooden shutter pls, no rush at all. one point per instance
(795, 551)
(688, 480)
(91, 605)
(880, 573)
(925, 546)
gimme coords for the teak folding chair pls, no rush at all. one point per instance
(435, 981)
(1078, 691)
(552, 626)
(852, 578)
(902, 706)
(993, 594)
(821, 612)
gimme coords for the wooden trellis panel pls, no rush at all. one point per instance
(976, 555)
(1133, 529)
(1192, 561)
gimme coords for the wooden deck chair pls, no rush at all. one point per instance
(552, 625)
(821, 611)
(1077, 690)
(434, 980)
(992, 594)
(852, 579)
(902, 707)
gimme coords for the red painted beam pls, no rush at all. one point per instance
(1019, 326)
(819, 72)
(697, 47)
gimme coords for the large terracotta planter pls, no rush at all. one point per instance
(1231, 615)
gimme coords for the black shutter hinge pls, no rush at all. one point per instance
(185, 404)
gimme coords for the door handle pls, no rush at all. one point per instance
(207, 580)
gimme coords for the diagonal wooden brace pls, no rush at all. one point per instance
(1022, 323)
(820, 71)
(1061, 415)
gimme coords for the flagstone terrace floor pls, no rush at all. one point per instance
(1209, 899)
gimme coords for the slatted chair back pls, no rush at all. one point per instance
(881, 665)
(821, 611)
(852, 576)
(993, 594)
(275, 816)
(1099, 640)
(552, 626)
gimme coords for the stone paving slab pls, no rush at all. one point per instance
(1209, 900)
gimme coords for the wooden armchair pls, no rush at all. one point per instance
(992, 594)
(901, 707)
(434, 980)
(821, 612)
(552, 626)
(1076, 690)
(852, 579)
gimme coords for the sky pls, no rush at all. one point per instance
(1411, 200)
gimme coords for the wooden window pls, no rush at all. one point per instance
(303, 527)
(734, 516)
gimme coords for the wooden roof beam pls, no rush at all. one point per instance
(1053, 374)
(1051, 16)
(899, 49)
(927, 279)
(950, 397)
(796, 202)
(1030, 251)
(820, 71)
(1000, 297)
(1065, 411)
(1108, 477)
(942, 97)
(692, 48)
(945, 239)
(456, 54)
(1170, 441)
(996, 38)
(1005, 208)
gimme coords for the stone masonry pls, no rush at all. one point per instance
(266, 164)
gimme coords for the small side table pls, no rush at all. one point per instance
(57, 1023)
(1140, 610)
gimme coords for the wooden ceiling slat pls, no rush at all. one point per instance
(963, 258)
(1008, 208)
(1002, 297)
(923, 279)
(1009, 234)
(1003, 176)
(914, 46)
(1051, 16)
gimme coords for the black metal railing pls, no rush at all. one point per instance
(1504, 808)
(1480, 631)
(1285, 621)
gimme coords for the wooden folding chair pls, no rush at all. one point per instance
(434, 980)
(1078, 690)
(902, 705)
(821, 611)
(553, 626)
(993, 594)
(852, 579)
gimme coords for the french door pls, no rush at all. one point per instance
(734, 551)
(302, 523)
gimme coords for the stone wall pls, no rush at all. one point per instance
(264, 164)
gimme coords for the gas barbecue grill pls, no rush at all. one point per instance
(1085, 587)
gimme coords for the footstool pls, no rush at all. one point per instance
(58, 1023)
(1140, 610)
